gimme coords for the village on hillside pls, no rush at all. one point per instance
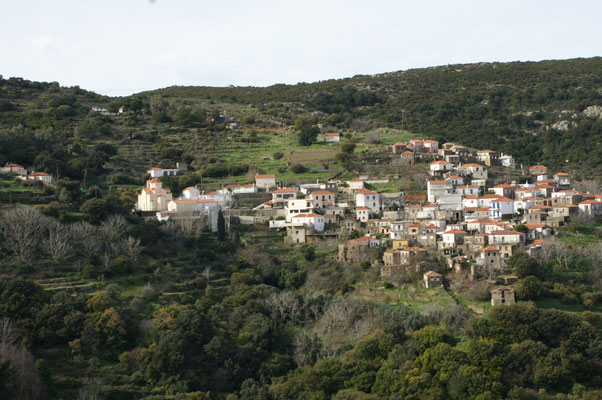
(468, 219)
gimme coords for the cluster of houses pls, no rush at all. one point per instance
(22, 173)
(471, 221)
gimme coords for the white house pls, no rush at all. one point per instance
(368, 198)
(435, 189)
(192, 209)
(191, 193)
(453, 237)
(507, 161)
(438, 168)
(315, 220)
(265, 181)
(591, 207)
(505, 237)
(40, 176)
(13, 169)
(467, 190)
(241, 189)
(156, 172)
(363, 213)
(222, 198)
(501, 206)
(298, 206)
(332, 137)
(455, 180)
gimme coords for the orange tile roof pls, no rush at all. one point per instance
(455, 231)
(491, 248)
(366, 191)
(264, 176)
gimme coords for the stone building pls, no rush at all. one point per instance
(502, 296)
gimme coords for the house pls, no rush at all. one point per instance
(432, 146)
(223, 199)
(363, 214)
(191, 193)
(297, 206)
(40, 176)
(487, 157)
(356, 184)
(332, 137)
(241, 189)
(407, 157)
(538, 170)
(204, 210)
(438, 168)
(416, 144)
(563, 179)
(282, 195)
(592, 208)
(505, 237)
(436, 189)
(491, 257)
(265, 181)
(360, 249)
(156, 172)
(453, 237)
(538, 231)
(468, 190)
(504, 190)
(154, 197)
(432, 279)
(455, 180)
(507, 161)
(476, 171)
(398, 148)
(544, 190)
(501, 207)
(322, 199)
(503, 296)
(13, 169)
(368, 198)
(314, 220)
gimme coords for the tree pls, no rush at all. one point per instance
(307, 131)
(22, 230)
(57, 242)
(529, 288)
(348, 148)
(524, 265)
(221, 226)
(521, 228)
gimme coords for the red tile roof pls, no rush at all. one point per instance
(264, 176)
(366, 191)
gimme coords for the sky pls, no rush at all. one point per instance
(120, 47)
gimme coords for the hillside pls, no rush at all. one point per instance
(518, 108)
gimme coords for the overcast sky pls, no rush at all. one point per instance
(119, 47)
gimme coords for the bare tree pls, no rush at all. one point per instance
(24, 382)
(86, 237)
(283, 305)
(22, 229)
(131, 247)
(113, 228)
(57, 242)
